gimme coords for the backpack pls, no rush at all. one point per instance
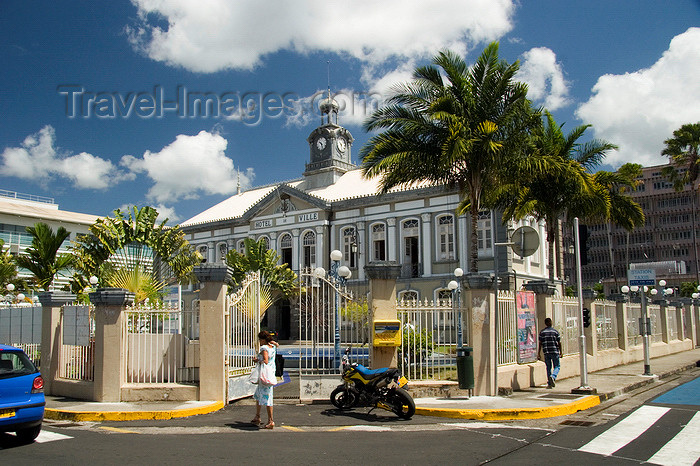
(279, 365)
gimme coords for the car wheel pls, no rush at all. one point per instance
(28, 435)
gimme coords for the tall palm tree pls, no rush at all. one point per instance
(624, 211)
(277, 281)
(557, 189)
(451, 125)
(683, 150)
(42, 258)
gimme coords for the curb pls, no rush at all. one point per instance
(512, 414)
(65, 415)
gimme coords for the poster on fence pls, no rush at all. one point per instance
(527, 326)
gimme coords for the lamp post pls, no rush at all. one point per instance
(11, 297)
(340, 274)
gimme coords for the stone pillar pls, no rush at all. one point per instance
(51, 337)
(480, 301)
(590, 331)
(621, 316)
(382, 292)
(427, 246)
(296, 247)
(109, 342)
(211, 252)
(665, 330)
(321, 255)
(391, 239)
(213, 377)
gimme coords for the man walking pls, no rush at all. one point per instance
(550, 344)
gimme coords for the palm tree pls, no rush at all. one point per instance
(134, 249)
(277, 281)
(553, 190)
(683, 150)
(452, 125)
(624, 211)
(42, 258)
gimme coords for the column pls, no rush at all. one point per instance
(295, 251)
(391, 239)
(665, 330)
(590, 332)
(273, 241)
(480, 300)
(213, 376)
(362, 250)
(427, 245)
(211, 252)
(382, 305)
(321, 257)
(462, 242)
(621, 316)
(51, 337)
(109, 342)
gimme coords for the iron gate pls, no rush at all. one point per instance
(330, 320)
(242, 327)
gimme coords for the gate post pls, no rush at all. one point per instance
(213, 375)
(382, 293)
(51, 337)
(481, 301)
(109, 342)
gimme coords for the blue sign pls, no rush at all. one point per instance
(641, 277)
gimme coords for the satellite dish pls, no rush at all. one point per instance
(525, 241)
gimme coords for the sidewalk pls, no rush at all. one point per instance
(533, 403)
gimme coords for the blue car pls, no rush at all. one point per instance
(21, 394)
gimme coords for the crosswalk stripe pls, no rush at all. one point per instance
(682, 449)
(45, 436)
(625, 431)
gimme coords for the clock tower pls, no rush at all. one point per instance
(330, 148)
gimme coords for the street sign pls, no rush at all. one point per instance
(525, 241)
(641, 277)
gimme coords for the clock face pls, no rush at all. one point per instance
(341, 145)
(321, 143)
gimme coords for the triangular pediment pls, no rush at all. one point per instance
(283, 200)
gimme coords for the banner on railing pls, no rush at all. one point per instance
(527, 327)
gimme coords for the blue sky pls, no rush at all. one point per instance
(91, 93)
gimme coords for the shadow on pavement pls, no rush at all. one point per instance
(242, 426)
(364, 415)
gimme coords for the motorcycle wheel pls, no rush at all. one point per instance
(402, 404)
(342, 398)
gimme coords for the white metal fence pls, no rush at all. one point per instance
(566, 317)
(606, 324)
(654, 311)
(429, 339)
(156, 341)
(76, 357)
(20, 326)
(243, 326)
(507, 329)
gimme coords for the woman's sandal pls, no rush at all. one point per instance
(256, 421)
(269, 425)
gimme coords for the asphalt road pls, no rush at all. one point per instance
(318, 434)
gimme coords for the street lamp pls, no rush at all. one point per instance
(11, 296)
(339, 274)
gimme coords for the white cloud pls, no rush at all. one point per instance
(38, 160)
(188, 167)
(544, 77)
(219, 34)
(639, 110)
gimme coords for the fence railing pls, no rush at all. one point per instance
(243, 326)
(76, 357)
(634, 313)
(429, 345)
(566, 322)
(156, 341)
(606, 324)
(654, 311)
(673, 320)
(507, 329)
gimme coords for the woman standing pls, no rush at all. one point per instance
(263, 394)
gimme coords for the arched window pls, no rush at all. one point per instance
(203, 251)
(266, 241)
(309, 249)
(241, 246)
(484, 231)
(223, 250)
(411, 249)
(286, 249)
(349, 238)
(408, 296)
(378, 242)
(446, 237)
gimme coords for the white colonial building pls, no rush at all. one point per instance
(332, 206)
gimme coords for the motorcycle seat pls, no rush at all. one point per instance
(370, 373)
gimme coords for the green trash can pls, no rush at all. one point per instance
(465, 368)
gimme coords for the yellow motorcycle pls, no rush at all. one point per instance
(378, 388)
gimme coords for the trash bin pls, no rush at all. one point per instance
(465, 368)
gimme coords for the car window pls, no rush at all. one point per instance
(14, 363)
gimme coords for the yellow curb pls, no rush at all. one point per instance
(512, 414)
(65, 415)
(292, 428)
